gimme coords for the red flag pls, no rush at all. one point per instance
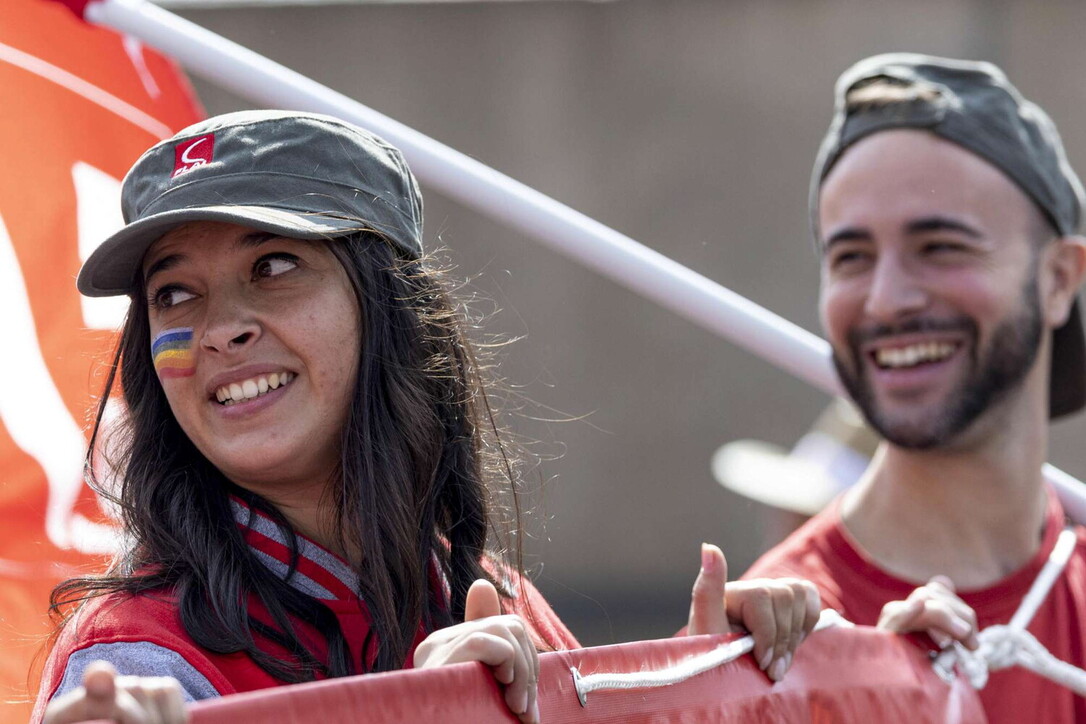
(81, 104)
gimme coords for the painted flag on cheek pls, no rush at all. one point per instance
(171, 350)
(81, 104)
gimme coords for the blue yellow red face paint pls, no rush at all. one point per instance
(171, 350)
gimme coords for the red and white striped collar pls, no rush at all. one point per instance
(320, 573)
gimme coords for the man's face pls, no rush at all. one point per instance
(930, 291)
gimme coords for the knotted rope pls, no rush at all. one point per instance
(1003, 646)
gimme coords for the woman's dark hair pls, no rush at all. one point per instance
(420, 447)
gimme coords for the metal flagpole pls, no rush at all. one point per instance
(477, 186)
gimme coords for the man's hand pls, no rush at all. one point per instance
(936, 610)
(779, 613)
(502, 642)
(123, 699)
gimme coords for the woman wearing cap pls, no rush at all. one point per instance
(302, 472)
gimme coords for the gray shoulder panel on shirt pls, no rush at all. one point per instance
(138, 658)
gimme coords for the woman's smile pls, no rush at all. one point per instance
(252, 388)
(252, 395)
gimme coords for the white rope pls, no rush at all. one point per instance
(1038, 592)
(681, 672)
(1004, 646)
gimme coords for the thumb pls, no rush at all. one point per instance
(96, 701)
(707, 611)
(482, 601)
(943, 581)
(100, 683)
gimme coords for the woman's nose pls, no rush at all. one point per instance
(230, 327)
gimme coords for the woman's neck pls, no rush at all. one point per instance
(310, 511)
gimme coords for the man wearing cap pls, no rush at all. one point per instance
(945, 216)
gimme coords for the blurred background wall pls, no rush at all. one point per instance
(691, 126)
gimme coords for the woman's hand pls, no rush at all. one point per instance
(502, 642)
(123, 699)
(937, 611)
(778, 612)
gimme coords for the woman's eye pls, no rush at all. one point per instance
(169, 296)
(273, 266)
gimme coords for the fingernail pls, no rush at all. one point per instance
(960, 628)
(522, 703)
(766, 659)
(535, 711)
(707, 560)
(780, 667)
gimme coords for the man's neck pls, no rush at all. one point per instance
(974, 512)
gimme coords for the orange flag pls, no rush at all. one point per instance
(80, 105)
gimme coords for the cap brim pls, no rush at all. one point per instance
(766, 473)
(1067, 391)
(111, 268)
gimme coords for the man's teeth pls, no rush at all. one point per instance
(240, 391)
(914, 354)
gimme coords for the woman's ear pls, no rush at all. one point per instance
(1065, 264)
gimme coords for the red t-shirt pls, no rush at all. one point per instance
(142, 634)
(823, 552)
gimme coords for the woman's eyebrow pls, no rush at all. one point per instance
(244, 242)
(256, 238)
(166, 262)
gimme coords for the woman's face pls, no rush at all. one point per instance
(256, 341)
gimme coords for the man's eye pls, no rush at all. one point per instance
(942, 247)
(169, 296)
(274, 265)
(847, 259)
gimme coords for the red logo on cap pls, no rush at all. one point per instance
(192, 153)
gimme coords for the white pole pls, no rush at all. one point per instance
(477, 186)
(493, 194)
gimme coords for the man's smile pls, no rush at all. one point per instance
(912, 355)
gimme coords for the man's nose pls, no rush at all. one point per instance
(895, 292)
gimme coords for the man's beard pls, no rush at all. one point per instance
(1002, 368)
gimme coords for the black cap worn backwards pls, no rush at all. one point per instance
(973, 105)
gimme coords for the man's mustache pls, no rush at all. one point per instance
(873, 333)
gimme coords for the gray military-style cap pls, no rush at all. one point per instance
(302, 175)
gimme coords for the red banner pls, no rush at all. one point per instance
(81, 104)
(839, 675)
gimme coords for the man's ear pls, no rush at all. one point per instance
(1065, 267)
